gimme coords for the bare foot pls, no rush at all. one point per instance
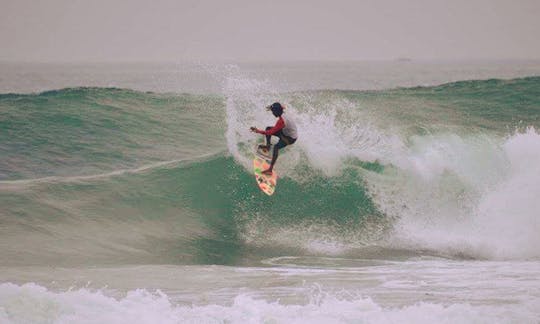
(267, 172)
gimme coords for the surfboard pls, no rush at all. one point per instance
(261, 162)
(264, 154)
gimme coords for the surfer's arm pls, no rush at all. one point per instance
(279, 126)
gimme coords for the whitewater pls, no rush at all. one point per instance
(411, 196)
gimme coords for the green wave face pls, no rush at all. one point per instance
(95, 175)
(91, 130)
(490, 105)
(189, 212)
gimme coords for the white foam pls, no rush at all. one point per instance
(454, 190)
(508, 217)
(31, 303)
(329, 130)
(245, 102)
(477, 200)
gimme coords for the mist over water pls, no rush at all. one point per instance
(206, 77)
(389, 204)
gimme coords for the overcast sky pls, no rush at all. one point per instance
(166, 30)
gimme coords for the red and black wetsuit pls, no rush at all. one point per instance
(278, 130)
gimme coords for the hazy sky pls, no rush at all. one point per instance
(166, 30)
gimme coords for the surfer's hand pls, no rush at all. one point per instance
(253, 129)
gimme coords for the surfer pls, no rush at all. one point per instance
(284, 129)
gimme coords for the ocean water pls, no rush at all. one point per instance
(411, 195)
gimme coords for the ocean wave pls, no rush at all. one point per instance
(94, 175)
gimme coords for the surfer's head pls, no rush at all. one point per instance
(276, 108)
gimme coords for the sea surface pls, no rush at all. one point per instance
(411, 196)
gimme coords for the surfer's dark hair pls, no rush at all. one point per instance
(277, 108)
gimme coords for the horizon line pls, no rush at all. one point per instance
(292, 60)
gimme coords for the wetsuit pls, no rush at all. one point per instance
(285, 130)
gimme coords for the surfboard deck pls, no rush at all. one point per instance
(267, 183)
(265, 154)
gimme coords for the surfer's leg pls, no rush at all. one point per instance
(274, 158)
(266, 147)
(268, 137)
(275, 154)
